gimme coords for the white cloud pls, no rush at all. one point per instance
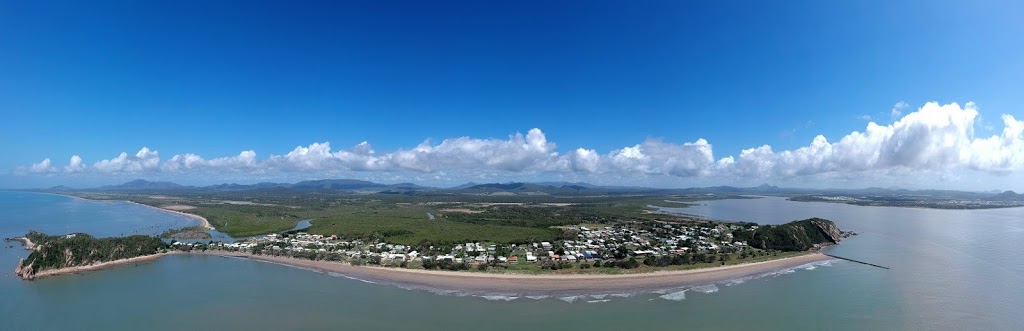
(43, 167)
(656, 157)
(935, 137)
(74, 165)
(319, 157)
(584, 160)
(935, 140)
(244, 161)
(144, 160)
(518, 153)
(898, 108)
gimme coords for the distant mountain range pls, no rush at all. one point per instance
(309, 185)
(552, 188)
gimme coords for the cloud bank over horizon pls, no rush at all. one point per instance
(937, 140)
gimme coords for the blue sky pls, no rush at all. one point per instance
(633, 84)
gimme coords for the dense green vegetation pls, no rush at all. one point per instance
(792, 236)
(54, 252)
(403, 218)
(248, 220)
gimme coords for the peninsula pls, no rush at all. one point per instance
(771, 248)
(487, 230)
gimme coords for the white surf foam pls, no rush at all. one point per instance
(736, 281)
(675, 296)
(710, 288)
(335, 274)
(571, 299)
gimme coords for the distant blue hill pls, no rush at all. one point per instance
(553, 188)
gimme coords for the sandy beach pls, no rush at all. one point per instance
(548, 284)
(202, 220)
(98, 266)
(29, 245)
(497, 282)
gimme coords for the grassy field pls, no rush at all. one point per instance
(410, 224)
(404, 218)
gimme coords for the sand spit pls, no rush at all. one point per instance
(202, 220)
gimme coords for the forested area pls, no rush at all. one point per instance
(52, 252)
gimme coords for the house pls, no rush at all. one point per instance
(513, 258)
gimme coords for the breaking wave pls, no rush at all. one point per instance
(669, 294)
(572, 298)
(710, 288)
(335, 274)
(674, 296)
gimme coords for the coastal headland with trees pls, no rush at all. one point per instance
(494, 230)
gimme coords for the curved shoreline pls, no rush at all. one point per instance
(494, 282)
(29, 245)
(546, 284)
(94, 266)
(202, 220)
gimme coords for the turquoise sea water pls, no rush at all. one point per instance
(952, 270)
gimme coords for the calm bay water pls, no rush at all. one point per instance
(951, 270)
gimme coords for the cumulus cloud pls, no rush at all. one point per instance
(246, 160)
(935, 139)
(144, 160)
(320, 157)
(584, 160)
(656, 157)
(43, 167)
(518, 153)
(74, 165)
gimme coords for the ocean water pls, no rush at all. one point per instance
(951, 270)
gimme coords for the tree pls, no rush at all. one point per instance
(621, 252)
(632, 263)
